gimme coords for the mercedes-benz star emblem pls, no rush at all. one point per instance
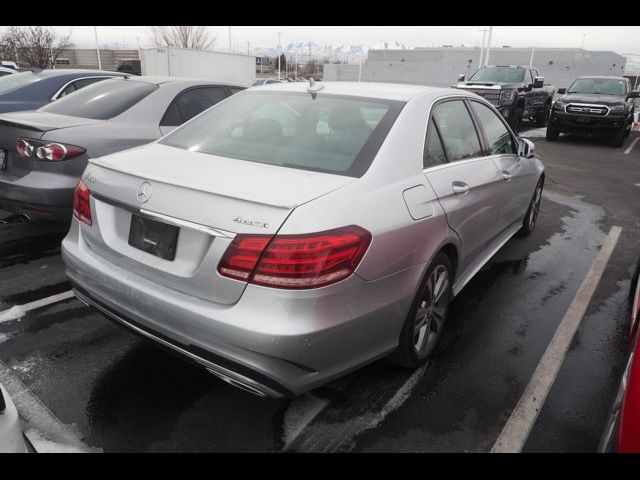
(144, 192)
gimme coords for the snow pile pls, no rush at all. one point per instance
(14, 313)
(535, 133)
(42, 445)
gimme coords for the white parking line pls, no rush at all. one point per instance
(19, 311)
(633, 144)
(45, 431)
(517, 429)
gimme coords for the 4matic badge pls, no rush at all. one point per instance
(253, 223)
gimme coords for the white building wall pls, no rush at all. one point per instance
(441, 66)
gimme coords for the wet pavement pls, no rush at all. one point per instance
(124, 394)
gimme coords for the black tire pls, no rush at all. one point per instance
(543, 116)
(618, 139)
(415, 347)
(552, 134)
(529, 221)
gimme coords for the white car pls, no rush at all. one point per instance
(11, 439)
(7, 71)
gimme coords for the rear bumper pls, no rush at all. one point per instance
(40, 195)
(571, 123)
(272, 342)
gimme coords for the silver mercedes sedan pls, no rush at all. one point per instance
(295, 232)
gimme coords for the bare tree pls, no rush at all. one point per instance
(33, 46)
(198, 38)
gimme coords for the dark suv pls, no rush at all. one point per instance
(595, 105)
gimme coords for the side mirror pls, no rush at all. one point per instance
(538, 82)
(562, 91)
(526, 148)
(528, 88)
(461, 78)
(634, 94)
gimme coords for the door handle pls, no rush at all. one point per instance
(506, 175)
(460, 188)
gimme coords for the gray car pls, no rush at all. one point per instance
(44, 152)
(295, 232)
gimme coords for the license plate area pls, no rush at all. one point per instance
(583, 120)
(157, 238)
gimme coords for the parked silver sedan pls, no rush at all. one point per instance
(295, 232)
(44, 152)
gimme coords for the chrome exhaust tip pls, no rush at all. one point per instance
(241, 385)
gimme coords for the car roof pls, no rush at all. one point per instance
(603, 77)
(383, 91)
(159, 80)
(72, 72)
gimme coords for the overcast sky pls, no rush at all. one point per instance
(620, 39)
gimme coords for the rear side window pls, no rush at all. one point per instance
(498, 136)
(191, 103)
(324, 133)
(2, 74)
(433, 150)
(235, 89)
(457, 130)
(78, 84)
(103, 100)
(15, 81)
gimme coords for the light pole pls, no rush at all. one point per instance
(484, 34)
(531, 60)
(582, 44)
(95, 30)
(486, 57)
(230, 43)
(279, 52)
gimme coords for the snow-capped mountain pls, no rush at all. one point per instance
(633, 63)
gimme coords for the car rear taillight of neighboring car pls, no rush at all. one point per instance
(82, 203)
(296, 261)
(48, 151)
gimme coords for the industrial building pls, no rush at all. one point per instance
(88, 58)
(441, 66)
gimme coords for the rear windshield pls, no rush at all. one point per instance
(332, 134)
(12, 82)
(604, 86)
(498, 74)
(102, 100)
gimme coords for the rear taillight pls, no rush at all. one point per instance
(296, 261)
(82, 203)
(51, 151)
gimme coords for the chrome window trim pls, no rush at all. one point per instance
(215, 232)
(55, 95)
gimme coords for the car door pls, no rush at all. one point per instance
(188, 104)
(468, 183)
(502, 149)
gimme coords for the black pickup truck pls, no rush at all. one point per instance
(594, 105)
(517, 92)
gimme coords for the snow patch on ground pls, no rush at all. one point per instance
(42, 445)
(24, 367)
(4, 337)
(14, 313)
(300, 413)
(535, 133)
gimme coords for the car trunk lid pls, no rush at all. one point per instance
(207, 198)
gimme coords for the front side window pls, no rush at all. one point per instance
(498, 136)
(457, 131)
(325, 133)
(102, 100)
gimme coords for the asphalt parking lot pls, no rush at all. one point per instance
(119, 393)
